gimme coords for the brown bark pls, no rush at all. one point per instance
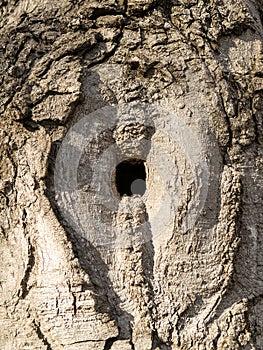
(189, 75)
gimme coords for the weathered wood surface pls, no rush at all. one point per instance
(194, 288)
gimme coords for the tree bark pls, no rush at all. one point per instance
(174, 86)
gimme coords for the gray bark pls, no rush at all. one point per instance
(185, 269)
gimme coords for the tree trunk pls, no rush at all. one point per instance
(131, 174)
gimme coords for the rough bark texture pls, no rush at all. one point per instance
(199, 289)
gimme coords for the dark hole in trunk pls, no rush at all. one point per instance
(130, 177)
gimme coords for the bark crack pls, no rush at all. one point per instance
(41, 335)
(30, 265)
